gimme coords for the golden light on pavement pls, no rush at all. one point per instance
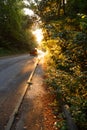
(39, 35)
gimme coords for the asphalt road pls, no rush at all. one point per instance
(14, 73)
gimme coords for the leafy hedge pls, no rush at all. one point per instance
(67, 63)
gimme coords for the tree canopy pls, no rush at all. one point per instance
(50, 9)
(65, 39)
(64, 24)
(15, 26)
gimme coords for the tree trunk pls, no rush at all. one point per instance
(59, 6)
(64, 7)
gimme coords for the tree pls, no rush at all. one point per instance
(12, 32)
(76, 6)
(50, 9)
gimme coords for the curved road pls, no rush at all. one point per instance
(14, 73)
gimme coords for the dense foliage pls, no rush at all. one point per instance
(14, 27)
(65, 39)
(67, 71)
(52, 9)
(76, 6)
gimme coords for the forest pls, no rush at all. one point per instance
(64, 25)
(15, 28)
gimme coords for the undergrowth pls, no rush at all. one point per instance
(66, 65)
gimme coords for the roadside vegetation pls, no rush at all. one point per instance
(15, 28)
(64, 25)
(65, 40)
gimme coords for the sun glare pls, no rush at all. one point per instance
(28, 12)
(41, 55)
(38, 34)
(26, 2)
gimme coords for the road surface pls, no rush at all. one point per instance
(14, 73)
